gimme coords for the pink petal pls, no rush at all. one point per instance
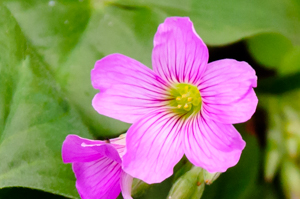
(128, 89)
(211, 145)
(126, 182)
(98, 179)
(153, 147)
(77, 149)
(227, 91)
(179, 54)
(119, 144)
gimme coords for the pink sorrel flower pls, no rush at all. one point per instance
(98, 167)
(185, 105)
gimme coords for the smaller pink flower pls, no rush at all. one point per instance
(98, 167)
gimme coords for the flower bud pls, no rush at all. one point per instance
(209, 178)
(292, 146)
(275, 141)
(272, 162)
(139, 187)
(290, 176)
(181, 168)
(190, 185)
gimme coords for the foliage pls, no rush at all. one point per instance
(47, 49)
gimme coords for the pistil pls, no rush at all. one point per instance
(186, 98)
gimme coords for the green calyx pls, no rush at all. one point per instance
(185, 99)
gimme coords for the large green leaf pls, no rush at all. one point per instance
(99, 33)
(71, 35)
(220, 22)
(275, 51)
(46, 62)
(35, 118)
(269, 49)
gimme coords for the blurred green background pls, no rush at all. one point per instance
(47, 49)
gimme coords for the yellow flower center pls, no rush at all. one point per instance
(185, 99)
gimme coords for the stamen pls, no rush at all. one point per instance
(187, 107)
(186, 99)
(196, 101)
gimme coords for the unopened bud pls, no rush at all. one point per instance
(272, 162)
(181, 168)
(274, 152)
(209, 178)
(292, 146)
(139, 187)
(190, 185)
(290, 176)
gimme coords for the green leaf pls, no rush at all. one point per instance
(45, 72)
(71, 35)
(102, 31)
(291, 62)
(275, 51)
(278, 53)
(269, 49)
(35, 118)
(221, 22)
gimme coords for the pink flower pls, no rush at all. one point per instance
(185, 105)
(98, 167)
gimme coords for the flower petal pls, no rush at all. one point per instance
(126, 183)
(128, 89)
(119, 144)
(211, 145)
(98, 179)
(227, 91)
(179, 54)
(153, 147)
(77, 149)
